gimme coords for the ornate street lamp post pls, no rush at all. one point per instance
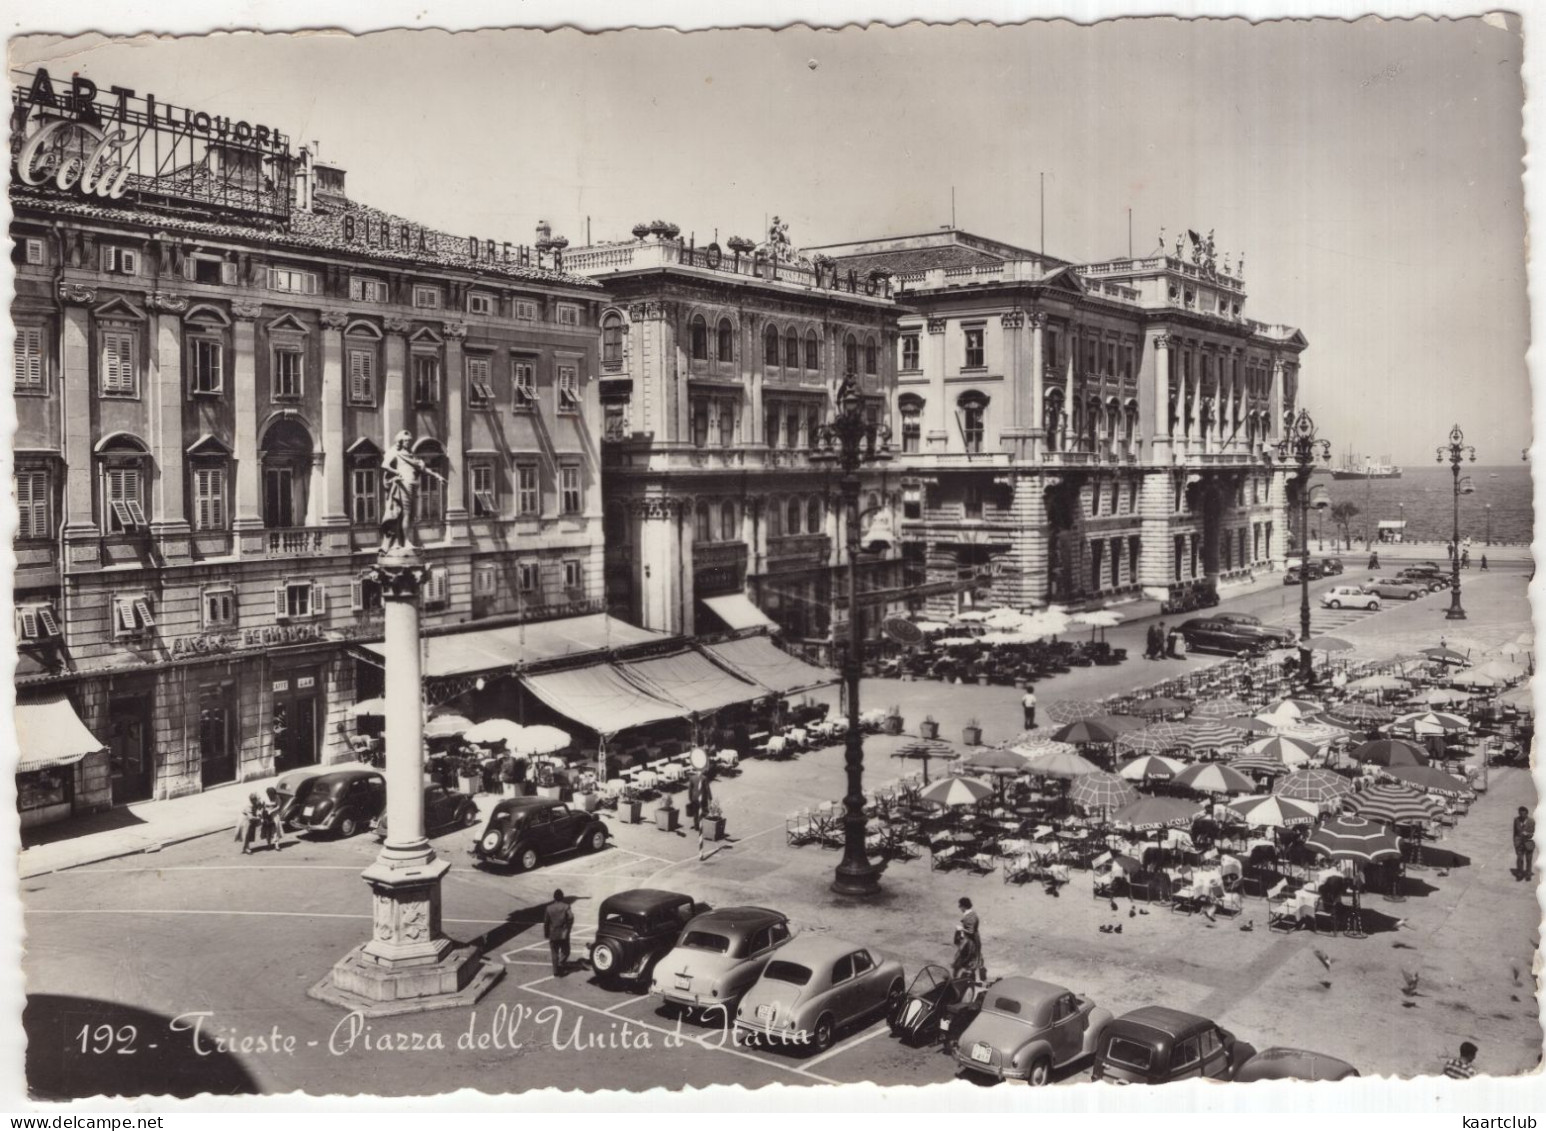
(1301, 448)
(849, 441)
(1456, 451)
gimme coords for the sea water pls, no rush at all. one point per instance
(1425, 497)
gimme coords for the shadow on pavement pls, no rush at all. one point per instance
(516, 923)
(79, 1047)
(107, 821)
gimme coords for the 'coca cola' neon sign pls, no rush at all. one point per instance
(99, 173)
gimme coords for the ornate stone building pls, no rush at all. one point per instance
(211, 356)
(1081, 431)
(718, 367)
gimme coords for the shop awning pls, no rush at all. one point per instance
(490, 649)
(757, 658)
(737, 611)
(49, 733)
(693, 680)
(601, 698)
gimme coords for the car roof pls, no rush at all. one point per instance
(641, 899)
(526, 804)
(348, 775)
(813, 950)
(1027, 990)
(737, 918)
(1173, 1023)
(1289, 1063)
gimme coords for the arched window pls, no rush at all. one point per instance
(364, 484)
(812, 350)
(701, 530)
(727, 527)
(871, 356)
(792, 350)
(770, 346)
(973, 408)
(813, 515)
(124, 466)
(1052, 418)
(850, 354)
(793, 515)
(726, 340)
(286, 454)
(700, 338)
(726, 423)
(612, 341)
(910, 406)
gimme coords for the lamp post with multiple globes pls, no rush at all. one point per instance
(849, 441)
(1301, 448)
(1456, 451)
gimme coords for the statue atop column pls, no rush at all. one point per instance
(401, 470)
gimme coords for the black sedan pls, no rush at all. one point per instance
(444, 809)
(1209, 634)
(343, 802)
(524, 831)
(636, 928)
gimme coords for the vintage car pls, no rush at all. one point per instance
(1210, 634)
(1253, 624)
(342, 802)
(814, 987)
(523, 831)
(1429, 579)
(1392, 589)
(720, 954)
(1295, 573)
(1330, 567)
(934, 1000)
(1349, 596)
(1293, 1064)
(444, 809)
(293, 783)
(636, 927)
(1028, 1029)
(1157, 1044)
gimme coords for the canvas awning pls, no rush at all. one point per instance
(693, 680)
(600, 697)
(758, 659)
(49, 733)
(489, 649)
(737, 611)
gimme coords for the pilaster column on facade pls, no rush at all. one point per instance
(686, 589)
(937, 435)
(1163, 443)
(833, 527)
(394, 384)
(749, 525)
(455, 333)
(658, 568)
(1156, 510)
(1036, 415)
(326, 506)
(1026, 585)
(1277, 498)
(163, 402)
(75, 381)
(247, 514)
(757, 432)
(1017, 418)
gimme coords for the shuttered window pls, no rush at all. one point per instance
(32, 503)
(209, 498)
(362, 376)
(118, 368)
(29, 357)
(124, 507)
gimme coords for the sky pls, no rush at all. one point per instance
(1369, 172)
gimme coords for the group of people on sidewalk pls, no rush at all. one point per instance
(1161, 643)
(259, 820)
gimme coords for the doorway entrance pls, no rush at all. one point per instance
(296, 716)
(217, 748)
(130, 760)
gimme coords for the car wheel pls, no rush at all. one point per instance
(605, 959)
(348, 825)
(526, 859)
(597, 840)
(469, 816)
(1334, 604)
(1041, 1073)
(490, 842)
(821, 1036)
(1412, 596)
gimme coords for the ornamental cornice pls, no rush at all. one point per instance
(1164, 341)
(394, 325)
(937, 325)
(454, 331)
(164, 302)
(76, 294)
(1012, 320)
(247, 311)
(1038, 319)
(335, 319)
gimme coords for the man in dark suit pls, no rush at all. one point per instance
(557, 922)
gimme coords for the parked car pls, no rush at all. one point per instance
(443, 809)
(718, 957)
(1395, 590)
(523, 831)
(293, 784)
(936, 1002)
(1293, 1064)
(1430, 580)
(342, 802)
(1350, 596)
(1157, 1044)
(1330, 567)
(1251, 624)
(813, 988)
(1209, 634)
(636, 927)
(1028, 1029)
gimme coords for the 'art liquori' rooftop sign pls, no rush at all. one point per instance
(120, 146)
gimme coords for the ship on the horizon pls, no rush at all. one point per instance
(1370, 468)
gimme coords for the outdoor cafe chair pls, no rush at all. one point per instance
(797, 827)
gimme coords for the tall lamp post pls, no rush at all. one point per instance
(849, 441)
(1488, 508)
(1455, 451)
(1301, 448)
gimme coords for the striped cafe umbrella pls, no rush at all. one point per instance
(1292, 752)
(1091, 730)
(1144, 741)
(1430, 779)
(1294, 708)
(1150, 767)
(1033, 746)
(1214, 777)
(1274, 812)
(1359, 715)
(1351, 839)
(1394, 804)
(1329, 644)
(1249, 725)
(1222, 708)
(1260, 765)
(1156, 813)
(1172, 735)
(1072, 710)
(1159, 707)
(1444, 655)
(1317, 733)
(1317, 785)
(995, 759)
(926, 750)
(1101, 792)
(956, 791)
(1057, 764)
(1211, 734)
(1389, 752)
(1434, 722)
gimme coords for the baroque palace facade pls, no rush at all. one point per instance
(214, 347)
(1082, 431)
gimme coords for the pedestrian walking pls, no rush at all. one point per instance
(1484, 563)
(1028, 707)
(251, 822)
(1462, 1067)
(269, 825)
(507, 780)
(1449, 548)
(1524, 845)
(557, 922)
(1151, 646)
(968, 942)
(1374, 560)
(1465, 559)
